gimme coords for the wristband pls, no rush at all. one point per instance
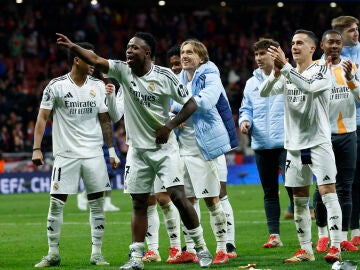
(112, 152)
(37, 148)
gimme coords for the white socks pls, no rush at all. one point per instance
(137, 250)
(334, 216)
(152, 234)
(230, 234)
(54, 223)
(218, 225)
(172, 224)
(197, 236)
(97, 224)
(302, 220)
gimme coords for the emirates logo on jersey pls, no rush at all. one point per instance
(92, 93)
(151, 86)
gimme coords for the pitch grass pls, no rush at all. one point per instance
(23, 234)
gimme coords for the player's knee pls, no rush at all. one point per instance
(140, 203)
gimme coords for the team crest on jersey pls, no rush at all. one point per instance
(151, 86)
(182, 91)
(56, 185)
(92, 93)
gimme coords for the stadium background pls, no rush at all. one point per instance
(29, 58)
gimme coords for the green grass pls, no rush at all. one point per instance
(24, 241)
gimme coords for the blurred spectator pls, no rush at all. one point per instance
(2, 163)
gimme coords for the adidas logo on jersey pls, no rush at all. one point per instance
(326, 178)
(68, 95)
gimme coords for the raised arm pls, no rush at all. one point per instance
(88, 56)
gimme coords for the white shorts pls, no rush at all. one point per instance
(158, 186)
(322, 166)
(142, 165)
(222, 168)
(67, 173)
(201, 177)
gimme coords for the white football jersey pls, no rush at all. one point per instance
(76, 128)
(342, 100)
(147, 101)
(307, 97)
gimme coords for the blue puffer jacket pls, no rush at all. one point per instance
(265, 114)
(215, 133)
(353, 53)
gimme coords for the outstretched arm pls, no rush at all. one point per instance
(88, 56)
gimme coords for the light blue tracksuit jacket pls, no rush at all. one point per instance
(215, 133)
(265, 114)
(353, 53)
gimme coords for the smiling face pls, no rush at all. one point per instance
(302, 48)
(332, 45)
(351, 35)
(137, 53)
(190, 60)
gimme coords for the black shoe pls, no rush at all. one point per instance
(231, 250)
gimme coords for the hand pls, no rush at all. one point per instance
(328, 62)
(109, 88)
(245, 126)
(37, 158)
(114, 160)
(278, 56)
(162, 135)
(63, 41)
(347, 66)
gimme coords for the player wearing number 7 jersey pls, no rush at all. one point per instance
(306, 90)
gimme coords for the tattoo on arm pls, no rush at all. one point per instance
(105, 123)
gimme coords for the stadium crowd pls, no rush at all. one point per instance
(30, 56)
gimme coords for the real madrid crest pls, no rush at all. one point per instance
(151, 86)
(56, 185)
(92, 93)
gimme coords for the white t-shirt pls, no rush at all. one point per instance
(187, 140)
(307, 97)
(76, 128)
(147, 101)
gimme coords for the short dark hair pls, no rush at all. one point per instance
(174, 50)
(264, 44)
(330, 31)
(85, 45)
(149, 40)
(310, 34)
